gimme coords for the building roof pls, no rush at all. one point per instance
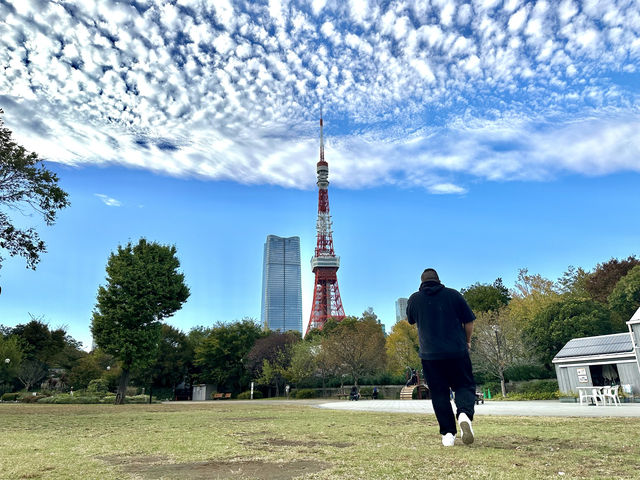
(594, 346)
(635, 318)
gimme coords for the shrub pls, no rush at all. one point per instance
(137, 399)
(97, 386)
(29, 397)
(536, 386)
(366, 391)
(65, 398)
(132, 391)
(10, 397)
(247, 395)
(305, 393)
(528, 372)
(533, 396)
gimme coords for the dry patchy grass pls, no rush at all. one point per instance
(275, 441)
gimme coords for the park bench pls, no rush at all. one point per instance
(226, 396)
(218, 396)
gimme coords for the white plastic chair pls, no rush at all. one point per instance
(590, 394)
(611, 394)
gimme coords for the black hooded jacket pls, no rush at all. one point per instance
(439, 312)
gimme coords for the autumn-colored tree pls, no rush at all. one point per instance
(403, 346)
(356, 347)
(532, 294)
(605, 276)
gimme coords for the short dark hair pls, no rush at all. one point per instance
(429, 275)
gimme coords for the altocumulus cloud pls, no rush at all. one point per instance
(416, 93)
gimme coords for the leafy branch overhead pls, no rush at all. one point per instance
(25, 186)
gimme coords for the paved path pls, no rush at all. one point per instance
(547, 408)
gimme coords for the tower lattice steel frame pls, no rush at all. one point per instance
(324, 264)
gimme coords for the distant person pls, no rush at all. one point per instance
(286, 390)
(354, 395)
(413, 378)
(374, 394)
(445, 324)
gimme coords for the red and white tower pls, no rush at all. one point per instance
(324, 264)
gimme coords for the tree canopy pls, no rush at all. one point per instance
(356, 347)
(624, 300)
(483, 297)
(402, 347)
(25, 185)
(143, 287)
(222, 353)
(561, 321)
(605, 276)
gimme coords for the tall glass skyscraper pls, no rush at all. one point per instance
(401, 309)
(281, 287)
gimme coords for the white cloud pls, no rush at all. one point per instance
(171, 90)
(108, 201)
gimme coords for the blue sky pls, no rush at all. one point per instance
(477, 137)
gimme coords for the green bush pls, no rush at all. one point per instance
(536, 386)
(247, 395)
(528, 372)
(305, 393)
(137, 399)
(10, 397)
(65, 399)
(97, 386)
(366, 391)
(533, 396)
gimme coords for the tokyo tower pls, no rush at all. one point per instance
(324, 264)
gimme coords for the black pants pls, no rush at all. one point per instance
(454, 374)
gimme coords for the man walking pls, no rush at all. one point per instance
(445, 324)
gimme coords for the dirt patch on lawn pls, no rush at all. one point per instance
(153, 467)
(280, 442)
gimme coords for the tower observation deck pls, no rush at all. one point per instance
(325, 263)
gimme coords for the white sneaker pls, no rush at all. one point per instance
(448, 440)
(466, 432)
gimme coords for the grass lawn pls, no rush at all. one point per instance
(282, 441)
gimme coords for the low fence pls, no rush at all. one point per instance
(385, 391)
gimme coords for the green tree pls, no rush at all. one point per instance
(303, 363)
(274, 350)
(11, 356)
(624, 300)
(221, 355)
(561, 321)
(25, 185)
(498, 344)
(144, 286)
(174, 360)
(573, 282)
(91, 366)
(52, 347)
(605, 276)
(483, 297)
(402, 346)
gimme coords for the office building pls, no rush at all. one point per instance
(281, 286)
(401, 309)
